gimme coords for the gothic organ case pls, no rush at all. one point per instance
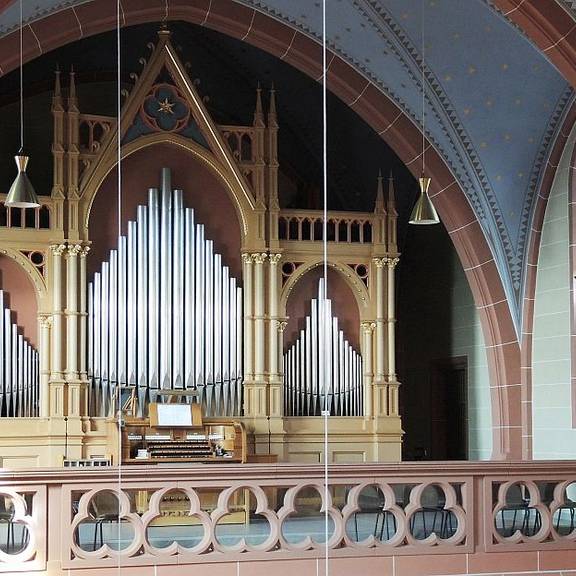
(192, 292)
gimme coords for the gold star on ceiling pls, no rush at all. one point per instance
(166, 106)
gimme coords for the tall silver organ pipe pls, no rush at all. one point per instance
(322, 371)
(165, 313)
(19, 369)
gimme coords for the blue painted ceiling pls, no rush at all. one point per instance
(494, 103)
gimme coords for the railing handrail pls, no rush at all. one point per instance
(235, 472)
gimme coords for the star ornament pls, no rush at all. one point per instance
(166, 106)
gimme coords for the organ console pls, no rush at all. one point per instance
(212, 440)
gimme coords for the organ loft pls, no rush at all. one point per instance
(178, 310)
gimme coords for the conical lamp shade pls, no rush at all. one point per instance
(21, 194)
(424, 211)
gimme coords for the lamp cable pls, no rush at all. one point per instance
(324, 295)
(118, 407)
(21, 79)
(423, 91)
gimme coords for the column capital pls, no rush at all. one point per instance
(84, 251)
(368, 326)
(74, 249)
(379, 262)
(57, 249)
(259, 257)
(281, 325)
(247, 258)
(274, 258)
(45, 320)
(392, 262)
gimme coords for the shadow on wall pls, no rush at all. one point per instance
(425, 313)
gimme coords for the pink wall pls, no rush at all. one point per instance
(203, 191)
(21, 297)
(344, 305)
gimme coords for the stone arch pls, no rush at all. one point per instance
(348, 289)
(200, 153)
(356, 286)
(283, 40)
(24, 280)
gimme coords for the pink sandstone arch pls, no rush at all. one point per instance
(297, 49)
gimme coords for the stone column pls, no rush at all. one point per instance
(72, 312)
(277, 385)
(56, 372)
(248, 318)
(391, 319)
(259, 316)
(379, 363)
(44, 321)
(83, 311)
(273, 316)
(367, 345)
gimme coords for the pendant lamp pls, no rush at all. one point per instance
(21, 193)
(424, 211)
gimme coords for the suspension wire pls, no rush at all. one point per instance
(21, 79)
(119, 184)
(423, 91)
(324, 306)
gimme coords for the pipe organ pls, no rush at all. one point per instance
(163, 317)
(19, 370)
(322, 371)
(164, 313)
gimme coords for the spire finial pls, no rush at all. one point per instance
(72, 83)
(258, 114)
(391, 196)
(379, 207)
(272, 116)
(57, 85)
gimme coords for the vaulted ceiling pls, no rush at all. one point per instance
(494, 102)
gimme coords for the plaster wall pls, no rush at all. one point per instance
(466, 339)
(554, 437)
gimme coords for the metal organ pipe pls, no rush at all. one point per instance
(164, 312)
(321, 368)
(19, 373)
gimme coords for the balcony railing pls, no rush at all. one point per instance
(467, 512)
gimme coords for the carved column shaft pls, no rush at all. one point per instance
(44, 322)
(57, 312)
(83, 311)
(259, 316)
(248, 319)
(380, 318)
(273, 316)
(72, 311)
(391, 318)
(367, 345)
